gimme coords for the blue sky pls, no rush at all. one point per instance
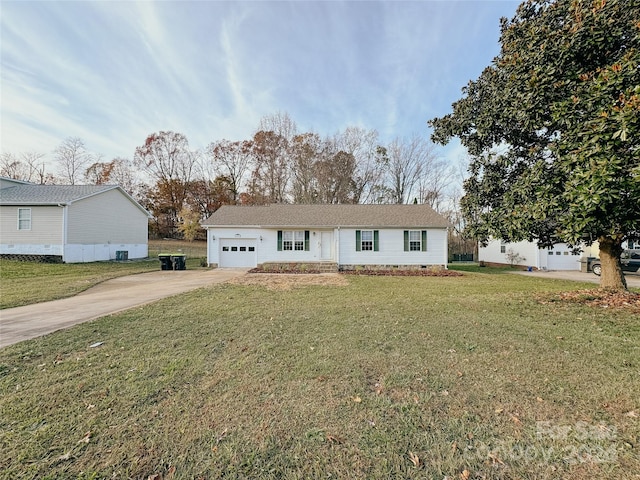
(113, 72)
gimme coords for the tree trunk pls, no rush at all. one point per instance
(612, 276)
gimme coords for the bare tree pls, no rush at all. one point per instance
(281, 124)
(407, 160)
(72, 158)
(306, 150)
(37, 168)
(436, 177)
(363, 145)
(167, 159)
(165, 156)
(270, 178)
(118, 171)
(12, 167)
(231, 160)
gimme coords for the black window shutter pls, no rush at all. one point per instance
(358, 241)
(306, 240)
(279, 240)
(376, 241)
(406, 240)
(424, 240)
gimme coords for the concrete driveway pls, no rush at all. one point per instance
(633, 280)
(31, 321)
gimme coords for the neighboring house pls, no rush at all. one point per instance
(341, 236)
(72, 223)
(559, 257)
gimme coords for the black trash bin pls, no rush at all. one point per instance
(165, 261)
(179, 262)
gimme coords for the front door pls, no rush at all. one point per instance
(326, 246)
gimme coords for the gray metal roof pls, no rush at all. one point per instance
(284, 215)
(49, 194)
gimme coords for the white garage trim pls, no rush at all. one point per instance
(561, 257)
(238, 253)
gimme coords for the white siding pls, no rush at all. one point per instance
(108, 218)
(77, 253)
(31, 249)
(557, 258)
(391, 245)
(492, 254)
(46, 227)
(391, 249)
(266, 242)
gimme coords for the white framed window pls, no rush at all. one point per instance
(415, 240)
(24, 219)
(366, 240)
(293, 240)
(287, 240)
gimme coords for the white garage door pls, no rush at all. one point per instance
(561, 258)
(239, 252)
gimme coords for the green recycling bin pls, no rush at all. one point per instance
(165, 261)
(179, 261)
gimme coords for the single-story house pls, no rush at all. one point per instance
(335, 236)
(528, 254)
(71, 223)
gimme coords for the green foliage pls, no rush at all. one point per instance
(553, 126)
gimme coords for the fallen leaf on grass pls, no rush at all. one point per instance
(465, 474)
(597, 298)
(356, 399)
(414, 459)
(221, 436)
(495, 459)
(632, 414)
(66, 456)
(86, 438)
(334, 439)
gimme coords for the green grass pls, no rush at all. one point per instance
(239, 381)
(476, 268)
(24, 283)
(195, 251)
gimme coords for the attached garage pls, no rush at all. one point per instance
(561, 257)
(238, 253)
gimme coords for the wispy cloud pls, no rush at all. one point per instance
(114, 72)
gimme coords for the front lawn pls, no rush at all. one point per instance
(374, 377)
(24, 283)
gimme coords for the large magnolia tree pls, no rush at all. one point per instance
(553, 128)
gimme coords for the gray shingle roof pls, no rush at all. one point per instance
(282, 215)
(49, 194)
